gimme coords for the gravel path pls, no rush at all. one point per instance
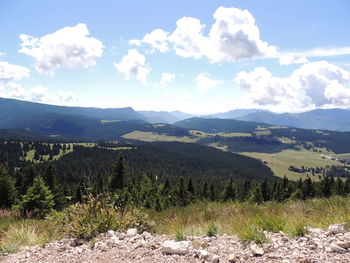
(332, 246)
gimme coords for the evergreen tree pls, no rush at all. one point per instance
(38, 200)
(118, 174)
(8, 192)
(265, 190)
(308, 190)
(205, 190)
(212, 193)
(229, 191)
(181, 193)
(190, 187)
(255, 195)
(338, 188)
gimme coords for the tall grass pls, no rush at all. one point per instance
(248, 221)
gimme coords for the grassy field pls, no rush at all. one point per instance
(245, 220)
(248, 220)
(279, 162)
(154, 137)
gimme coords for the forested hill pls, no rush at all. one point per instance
(219, 125)
(163, 160)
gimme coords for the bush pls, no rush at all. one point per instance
(98, 215)
(212, 229)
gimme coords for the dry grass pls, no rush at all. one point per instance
(249, 220)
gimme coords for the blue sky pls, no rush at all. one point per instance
(194, 56)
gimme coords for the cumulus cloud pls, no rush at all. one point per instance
(40, 94)
(204, 82)
(133, 65)
(313, 85)
(157, 39)
(10, 72)
(233, 36)
(67, 48)
(166, 79)
(16, 91)
(67, 96)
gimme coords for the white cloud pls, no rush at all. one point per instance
(157, 39)
(40, 94)
(313, 85)
(2, 54)
(205, 83)
(67, 96)
(17, 91)
(10, 72)
(133, 65)
(166, 79)
(291, 59)
(234, 36)
(67, 48)
(188, 39)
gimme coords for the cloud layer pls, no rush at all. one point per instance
(313, 85)
(166, 78)
(233, 36)
(67, 48)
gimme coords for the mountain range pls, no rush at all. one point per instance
(111, 122)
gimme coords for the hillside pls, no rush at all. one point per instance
(330, 119)
(12, 110)
(218, 125)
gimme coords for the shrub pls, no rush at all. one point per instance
(98, 215)
(212, 229)
(179, 234)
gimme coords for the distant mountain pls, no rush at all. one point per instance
(218, 125)
(233, 114)
(159, 116)
(165, 116)
(323, 119)
(12, 110)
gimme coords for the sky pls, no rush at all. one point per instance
(196, 56)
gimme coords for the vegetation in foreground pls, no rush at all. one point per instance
(246, 220)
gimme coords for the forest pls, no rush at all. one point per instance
(153, 175)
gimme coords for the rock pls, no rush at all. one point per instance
(337, 229)
(314, 231)
(335, 248)
(256, 250)
(232, 258)
(131, 231)
(344, 245)
(203, 254)
(173, 247)
(215, 259)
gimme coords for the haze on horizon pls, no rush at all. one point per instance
(198, 57)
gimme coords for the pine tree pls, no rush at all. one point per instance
(38, 200)
(205, 190)
(190, 187)
(229, 191)
(8, 191)
(308, 190)
(255, 195)
(212, 193)
(118, 174)
(181, 193)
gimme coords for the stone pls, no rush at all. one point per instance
(337, 229)
(314, 231)
(203, 254)
(337, 249)
(215, 259)
(344, 245)
(232, 258)
(173, 247)
(131, 231)
(256, 250)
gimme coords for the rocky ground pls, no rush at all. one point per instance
(317, 246)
